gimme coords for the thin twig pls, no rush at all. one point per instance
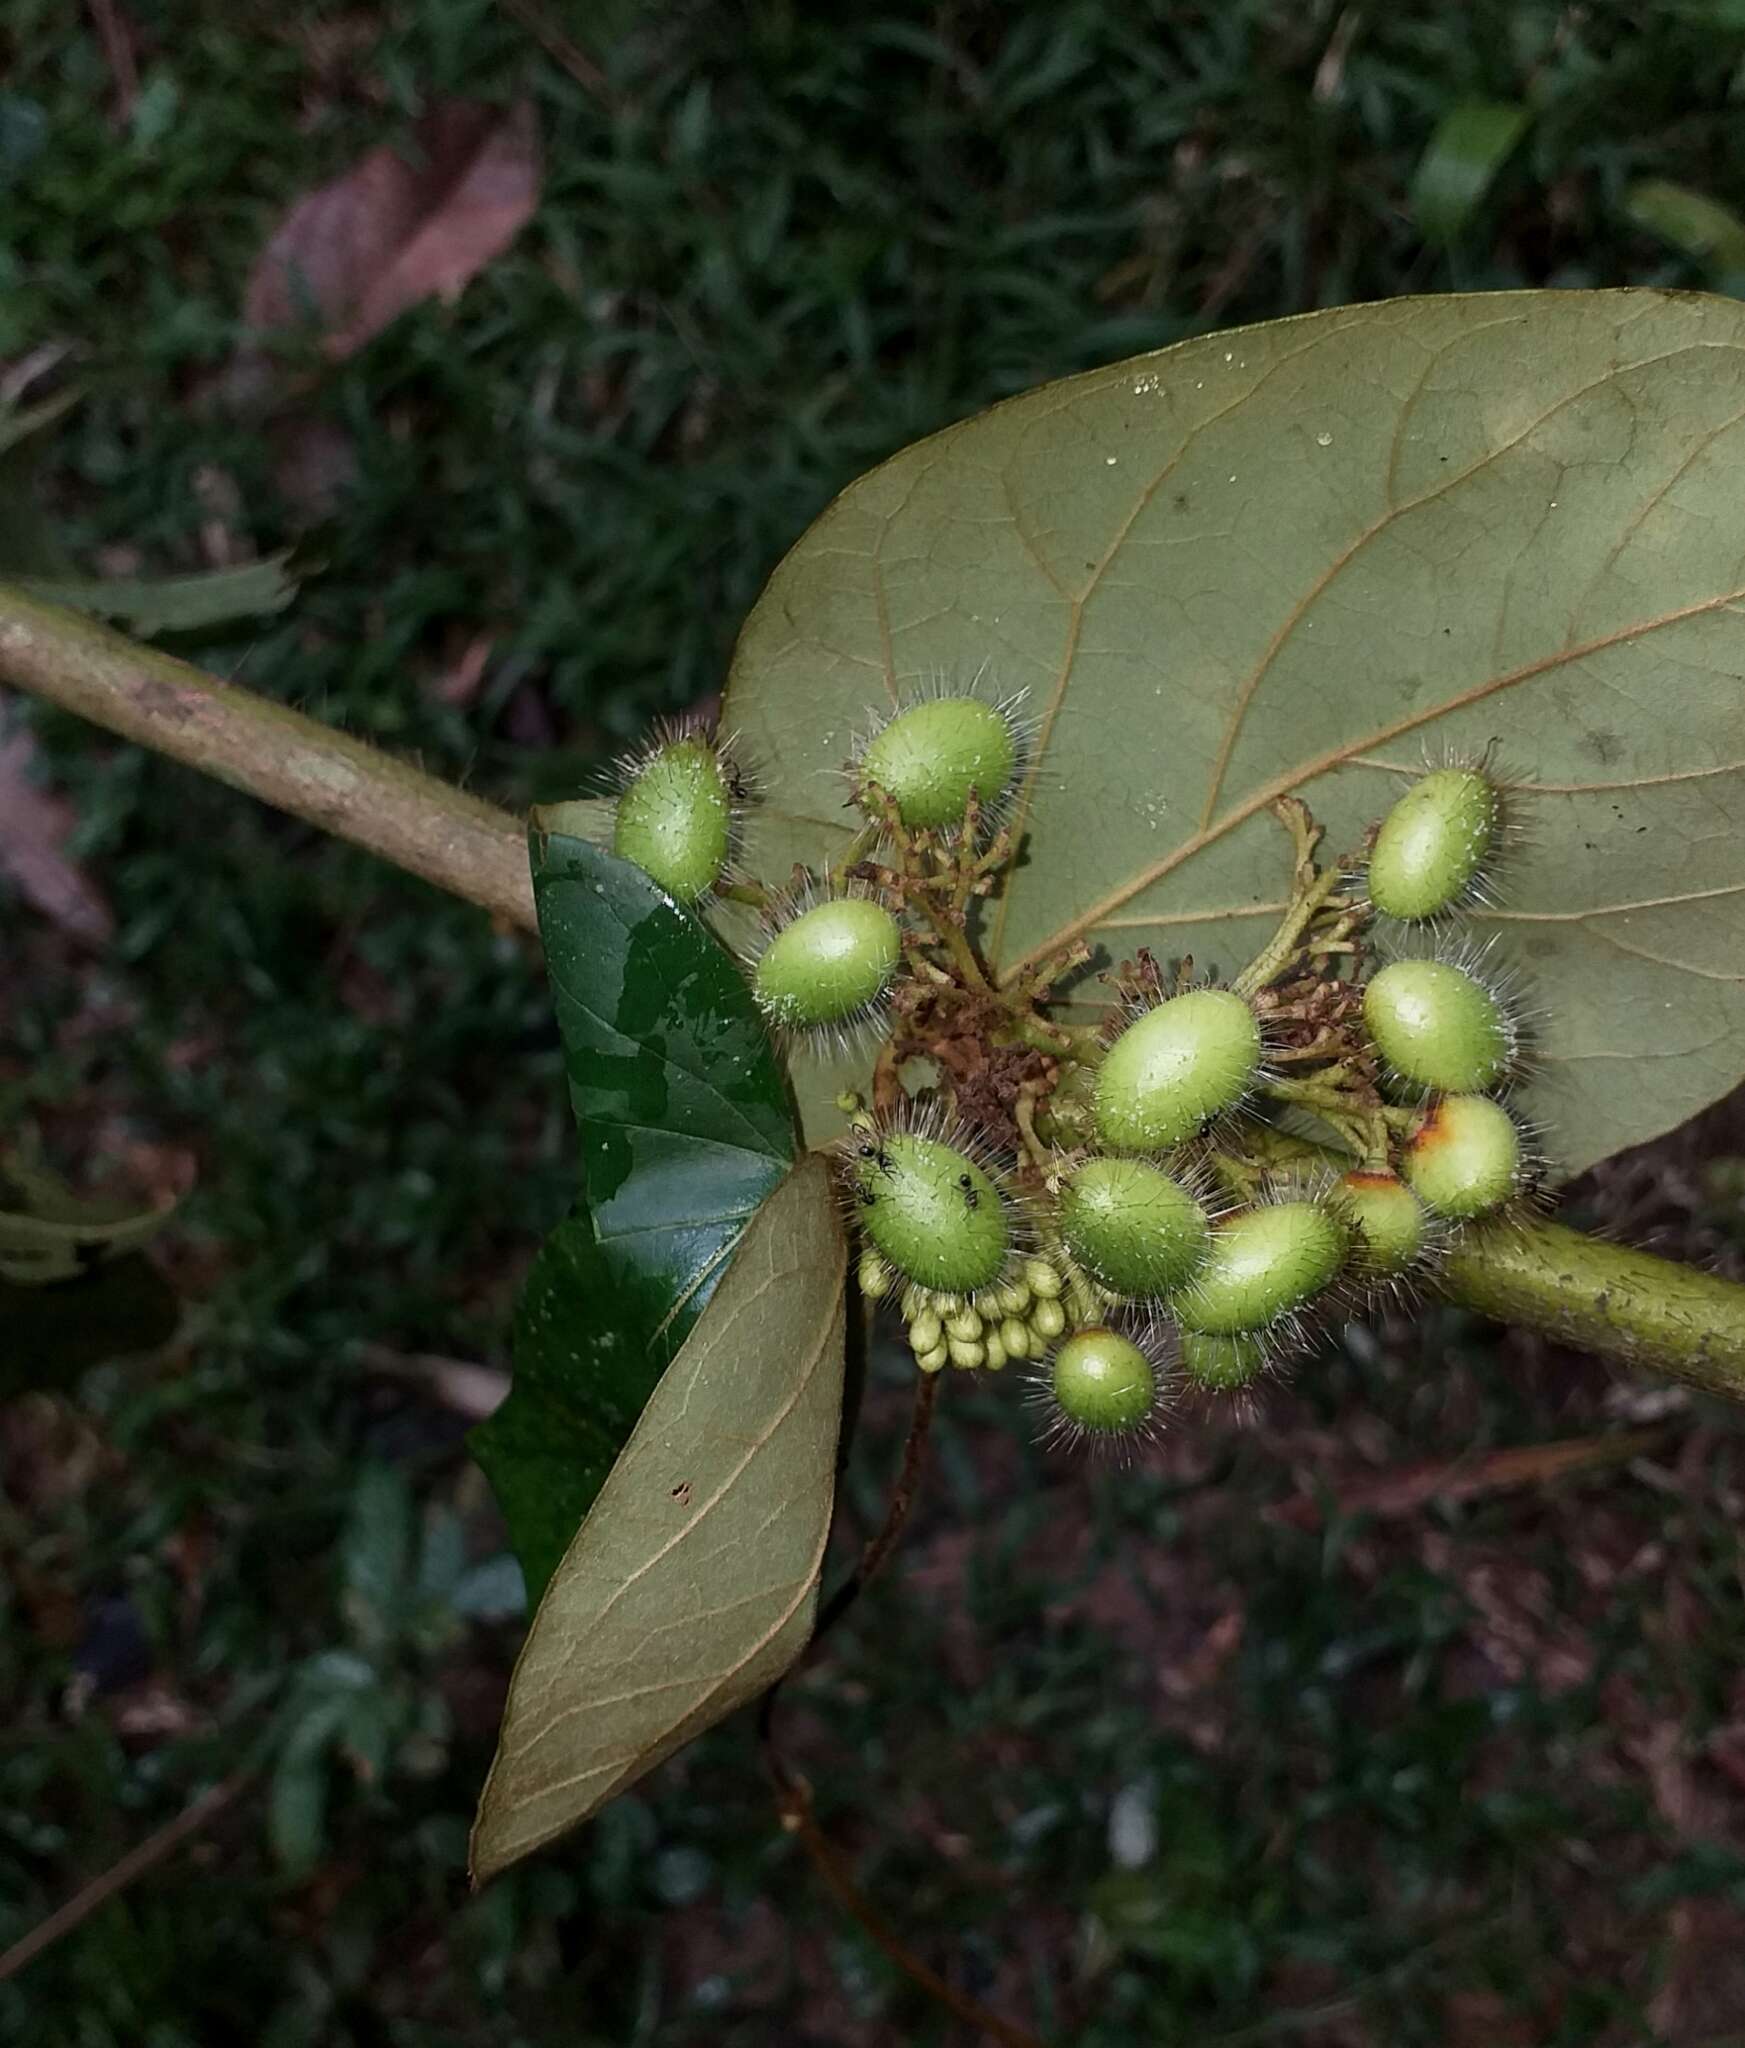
(794, 1796)
(794, 1805)
(902, 1499)
(562, 49)
(119, 1876)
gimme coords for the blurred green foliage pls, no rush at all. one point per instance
(1406, 1795)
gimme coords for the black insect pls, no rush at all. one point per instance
(970, 1197)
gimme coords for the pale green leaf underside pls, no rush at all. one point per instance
(1299, 558)
(691, 1585)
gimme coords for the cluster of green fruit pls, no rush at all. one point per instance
(1140, 1239)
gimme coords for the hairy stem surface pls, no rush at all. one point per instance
(1593, 1296)
(458, 842)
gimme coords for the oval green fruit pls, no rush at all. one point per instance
(1465, 1158)
(1261, 1266)
(1175, 1068)
(1222, 1364)
(932, 1211)
(1132, 1226)
(830, 962)
(675, 818)
(1387, 1218)
(1438, 1025)
(1103, 1383)
(1433, 844)
(928, 758)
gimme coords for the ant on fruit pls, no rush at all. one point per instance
(970, 1197)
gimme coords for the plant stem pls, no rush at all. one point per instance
(1593, 1296)
(456, 841)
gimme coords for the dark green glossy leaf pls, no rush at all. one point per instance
(686, 1126)
(692, 1584)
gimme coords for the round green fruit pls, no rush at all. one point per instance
(1433, 844)
(1222, 1364)
(932, 1211)
(829, 963)
(929, 758)
(1465, 1158)
(1438, 1025)
(1132, 1226)
(675, 818)
(1103, 1382)
(1175, 1068)
(1262, 1265)
(1387, 1218)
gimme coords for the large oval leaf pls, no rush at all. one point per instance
(1296, 558)
(691, 1585)
(686, 1126)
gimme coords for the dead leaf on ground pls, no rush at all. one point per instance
(34, 828)
(403, 224)
(1411, 1487)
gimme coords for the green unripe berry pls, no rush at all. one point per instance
(1047, 1320)
(929, 758)
(1222, 1364)
(1175, 1068)
(1132, 1227)
(926, 1332)
(1262, 1265)
(1437, 1025)
(966, 1357)
(1103, 1382)
(995, 1351)
(935, 1360)
(1433, 844)
(1465, 1157)
(675, 819)
(830, 962)
(1012, 1299)
(932, 1211)
(1388, 1220)
(966, 1326)
(1042, 1280)
(1015, 1335)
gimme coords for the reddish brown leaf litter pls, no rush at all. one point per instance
(34, 828)
(405, 223)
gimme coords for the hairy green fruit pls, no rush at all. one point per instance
(1175, 1068)
(1132, 1226)
(1465, 1158)
(675, 818)
(1222, 1364)
(1433, 844)
(1388, 1219)
(929, 758)
(933, 1213)
(1263, 1265)
(1438, 1025)
(829, 964)
(1103, 1383)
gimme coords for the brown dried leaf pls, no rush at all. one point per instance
(398, 228)
(1405, 1491)
(33, 833)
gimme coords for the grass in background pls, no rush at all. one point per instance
(1121, 1751)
